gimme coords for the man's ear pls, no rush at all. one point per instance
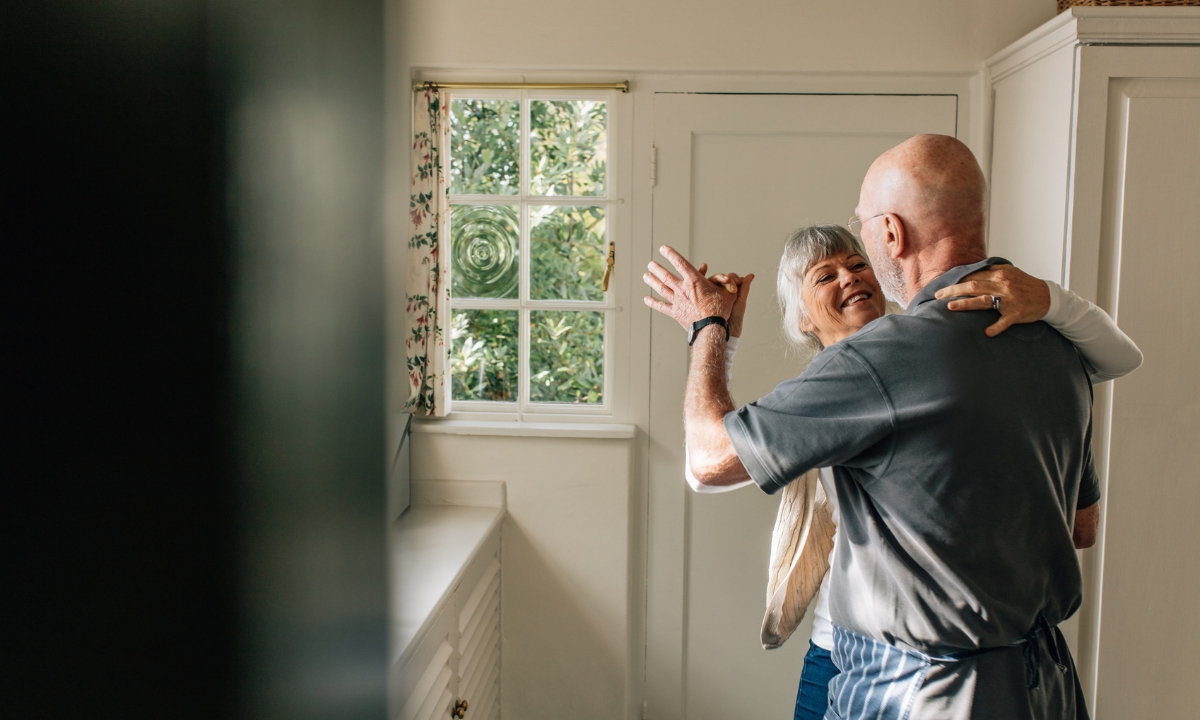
(895, 236)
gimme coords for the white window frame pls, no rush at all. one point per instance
(523, 304)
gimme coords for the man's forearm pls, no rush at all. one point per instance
(713, 459)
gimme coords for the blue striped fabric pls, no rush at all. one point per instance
(877, 681)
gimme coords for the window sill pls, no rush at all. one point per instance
(604, 431)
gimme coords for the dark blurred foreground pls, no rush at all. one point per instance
(193, 359)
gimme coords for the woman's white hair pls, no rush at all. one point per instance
(803, 249)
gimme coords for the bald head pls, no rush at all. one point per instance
(933, 197)
(934, 183)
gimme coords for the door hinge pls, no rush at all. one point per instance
(653, 166)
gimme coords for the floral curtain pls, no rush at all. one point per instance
(428, 292)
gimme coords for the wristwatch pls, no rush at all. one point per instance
(710, 320)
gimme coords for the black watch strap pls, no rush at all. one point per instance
(701, 324)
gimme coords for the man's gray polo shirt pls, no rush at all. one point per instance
(959, 462)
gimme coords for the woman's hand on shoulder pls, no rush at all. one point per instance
(1023, 298)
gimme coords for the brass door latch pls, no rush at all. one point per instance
(608, 266)
(460, 709)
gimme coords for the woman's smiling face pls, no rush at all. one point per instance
(841, 295)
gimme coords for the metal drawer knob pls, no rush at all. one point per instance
(460, 709)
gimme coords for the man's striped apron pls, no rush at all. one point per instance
(879, 681)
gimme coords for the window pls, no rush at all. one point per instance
(531, 202)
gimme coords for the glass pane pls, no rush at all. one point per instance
(566, 253)
(567, 152)
(484, 251)
(483, 355)
(484, 147)
(566, 357)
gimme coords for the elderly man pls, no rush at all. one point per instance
(959, 461)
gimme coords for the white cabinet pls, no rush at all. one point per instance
(427, 684)
(478, 649)
(446, 614)
(1095, 182)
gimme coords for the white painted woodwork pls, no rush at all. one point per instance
(479, 641)
(432, 549)
(737, 173)
(1032, 126)
(1125, 223)
(525, 429)
(446, 612)
(399, 448)
(460, 492)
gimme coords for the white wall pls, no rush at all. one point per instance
(574, 541)
(565, 581)
(718, 35)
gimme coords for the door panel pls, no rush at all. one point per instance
(1149, 631)
(737, 173)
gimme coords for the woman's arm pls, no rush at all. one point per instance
(1108, 350)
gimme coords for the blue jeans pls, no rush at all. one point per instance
(813, 698)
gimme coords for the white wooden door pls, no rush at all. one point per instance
(1147, 105)
(735, 174)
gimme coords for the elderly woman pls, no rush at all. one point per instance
(827, 292)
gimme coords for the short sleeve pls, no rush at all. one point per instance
(1089, 483)
(835, 413)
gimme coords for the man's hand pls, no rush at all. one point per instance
(1023, 298)
(738, 314)
(1087, 522)
(691, 296)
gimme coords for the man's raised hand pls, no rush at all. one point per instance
(689, 297)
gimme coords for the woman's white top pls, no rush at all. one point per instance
(1108, 352)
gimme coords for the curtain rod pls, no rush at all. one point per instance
(419, 85)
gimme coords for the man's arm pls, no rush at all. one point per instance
(689, 298)
(1087, 521)
(713, 459)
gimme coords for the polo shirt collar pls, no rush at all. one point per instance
(948, 278)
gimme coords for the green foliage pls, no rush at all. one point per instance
(566, 253)
(566, 357)
(483, 355)
(567, 147)
(484, 147)
(567, 250)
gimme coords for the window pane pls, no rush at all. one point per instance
(566, 357)
(567, 152)
(483, 355)
(566, 253)
(484, 141)
(484, 251)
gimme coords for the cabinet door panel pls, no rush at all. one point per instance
(479, 643)
(1149, 630)
(430, 690)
